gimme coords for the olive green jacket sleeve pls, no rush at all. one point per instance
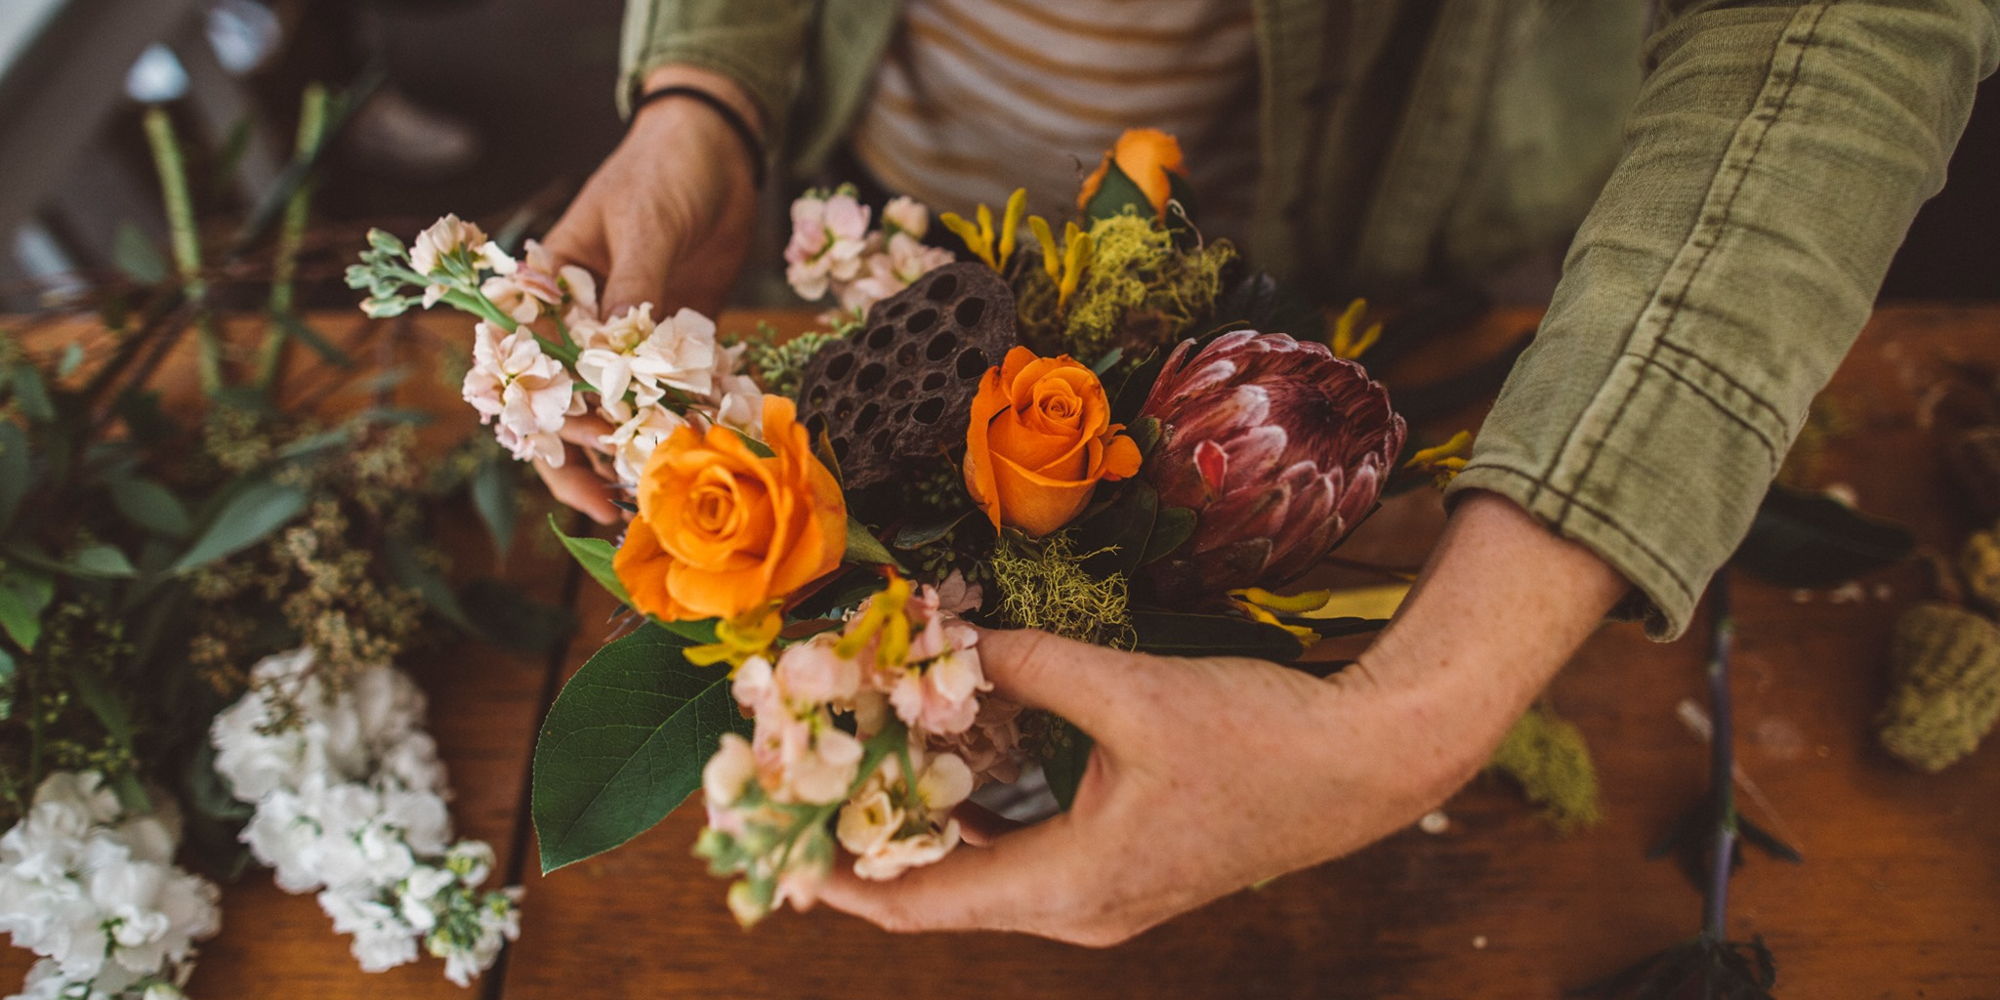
(1772, 163)
(758, 43)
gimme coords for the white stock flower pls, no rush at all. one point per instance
(632, 442)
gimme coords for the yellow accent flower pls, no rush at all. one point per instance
(1264, 606)
(1345, 343)
(884, 617)
(1064, 266)
(989, 245)
(738, 639)
(1445, 460)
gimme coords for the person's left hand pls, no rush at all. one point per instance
(1211, 775)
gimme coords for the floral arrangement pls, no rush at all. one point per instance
(1103, 435)
(160, 537)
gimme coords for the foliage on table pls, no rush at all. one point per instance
(153, 548)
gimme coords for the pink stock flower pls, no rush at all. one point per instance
(829, 237)
(533, 286)
(906, 215)
(525, 393)
(1278, 447)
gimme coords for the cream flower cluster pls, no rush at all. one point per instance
(870, 727)
(543, 353)
(832, 249)
(93, 889)
(350, 802)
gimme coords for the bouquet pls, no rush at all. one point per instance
(1103, 435)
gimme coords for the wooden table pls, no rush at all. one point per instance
(1899, 897)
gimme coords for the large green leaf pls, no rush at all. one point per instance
(625, 743)
(245, 519)
(24, 594)
(594, 555)
(1801, 539)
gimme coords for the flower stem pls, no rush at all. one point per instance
(186, 238)
(291, 235)
(1722, 762)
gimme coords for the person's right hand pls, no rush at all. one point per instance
(666, 219)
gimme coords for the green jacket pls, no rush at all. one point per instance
(1735, 184)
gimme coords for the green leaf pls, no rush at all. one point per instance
(411, 572)
(15, 471)
(916, 536)
(1801, 539)
(1116, 194)
(136, 255)
(24, 595)
(1067, 761)
(594, 555)
(864, 547)
(33, 395)
(496, 497)
(1118, 533)
(102, 561)
(511, 620)
(1173, 526)
(297, 329)
(248, 517)
(1146, 433)
(71, 360)
(624, 744)
(1172, 633)
(151, 506)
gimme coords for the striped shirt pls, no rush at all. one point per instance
(977, 97)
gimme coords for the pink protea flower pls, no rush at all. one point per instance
(1280, 449)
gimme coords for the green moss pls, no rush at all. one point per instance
(1139, 291)
(1945, 696)
(1043, 585)
(1549, 758)
(779, 365)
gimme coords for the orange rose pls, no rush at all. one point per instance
(1147, 155)
(1040, 439)
(722, 530)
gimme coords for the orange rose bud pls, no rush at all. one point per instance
(1147, 155)
(1041, 437)
(722, 530)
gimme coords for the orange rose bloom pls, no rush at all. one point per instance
(1040, 439)
(723, 530)
(1147, 155)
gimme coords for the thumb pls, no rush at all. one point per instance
(1095, 687)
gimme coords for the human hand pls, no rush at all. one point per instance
(666, 219)
(1210, 775)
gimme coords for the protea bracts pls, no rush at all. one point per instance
(1279, 447)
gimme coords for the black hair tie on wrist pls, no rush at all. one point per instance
(751, 144)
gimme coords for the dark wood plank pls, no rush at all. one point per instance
(1897, 898)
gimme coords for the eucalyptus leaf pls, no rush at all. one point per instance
(249, 516)
(151, 506)
(496, 496)
(411, 572)
(916, 536)
(298, 330)
(102, 561)
(24, 595)
(1801, 539)
(624, 744)
(864, 547)
(70, 361)
(135, 255)
(594, 555)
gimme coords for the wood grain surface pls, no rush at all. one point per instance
(1899, 895)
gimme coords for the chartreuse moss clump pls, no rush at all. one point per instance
(1043, 585)
(1549, 758)
(1945, 676)
(1139, 291)
(1979, 564)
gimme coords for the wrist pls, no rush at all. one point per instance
(721, 85)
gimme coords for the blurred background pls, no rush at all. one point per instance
(495, 109)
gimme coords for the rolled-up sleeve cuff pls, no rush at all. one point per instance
(761, 54)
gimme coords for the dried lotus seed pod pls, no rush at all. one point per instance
(1945, 685)
(899, 390)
